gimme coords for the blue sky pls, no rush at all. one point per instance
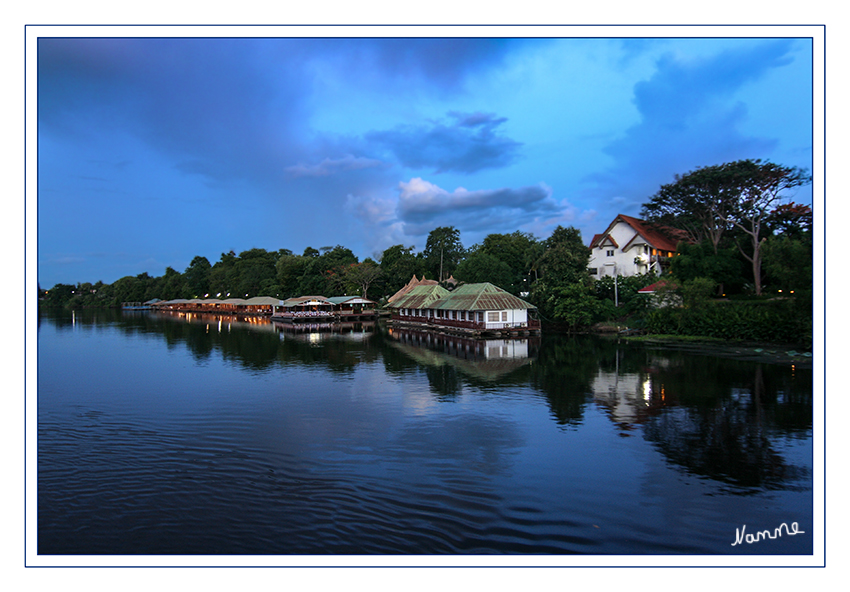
(154, 150)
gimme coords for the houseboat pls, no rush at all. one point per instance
(470, 309)
(305, 309)
(312, 309)
(259, 305)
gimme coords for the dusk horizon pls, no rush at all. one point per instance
(154, 151)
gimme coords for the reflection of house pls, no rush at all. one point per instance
(471, 309)
(630, 247)
(486, 359)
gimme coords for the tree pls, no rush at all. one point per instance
(520, 251)
(320, 273)
(443, 251)
(697, 202)
(398, 265)
(711, 201)
(760, 186)
(255, 274)
(362, 275)
(197, 276)
(565, 286)
(483, 267)
(724, 266)
(565, 258)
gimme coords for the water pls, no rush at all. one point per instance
(166, 434)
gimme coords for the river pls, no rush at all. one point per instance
(169, 434)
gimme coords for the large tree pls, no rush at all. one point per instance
(712, 201)
(362, 275)
(760, 188)
(398, 265)
(443, 251)
(698, 202)
(564, 291)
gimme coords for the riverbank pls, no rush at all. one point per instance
(741, 350)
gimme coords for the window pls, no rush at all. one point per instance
(593, 271)
(610, 252)
(504, 316)
(493, 317)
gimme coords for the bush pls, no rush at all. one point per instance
(777, 321)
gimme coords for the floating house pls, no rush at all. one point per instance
(348, 308)
(319, 308)
(470, 309)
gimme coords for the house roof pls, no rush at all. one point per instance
(664, 238)
(420, 296)
(483, 296)
(263, 301)
(343, 299)
(302, 300)
(652, 288)
(410, 285)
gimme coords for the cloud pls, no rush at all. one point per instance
(468, 144)
(422, 206)
(690, 116)
(330, 166)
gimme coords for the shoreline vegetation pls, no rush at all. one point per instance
(741, 272)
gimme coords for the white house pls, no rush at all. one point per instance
(630, 247)
(469, 308)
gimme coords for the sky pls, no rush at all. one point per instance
(152, 151)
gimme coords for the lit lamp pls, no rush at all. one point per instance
(616, 299)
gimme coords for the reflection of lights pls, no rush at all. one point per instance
(647, 390)
(314, 337)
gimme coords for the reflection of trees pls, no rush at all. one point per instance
(444, 381)
(253, 343)
(726, 427)
(564, 371)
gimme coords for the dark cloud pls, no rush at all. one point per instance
(332, 166)
(444, 64)
(470, 143)
(689, 118)
(423, 206)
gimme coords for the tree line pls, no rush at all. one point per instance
(744, 238)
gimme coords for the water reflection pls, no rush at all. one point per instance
(724, 419)
(717, 418)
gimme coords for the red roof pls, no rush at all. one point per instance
(652, 288)
(659, 237)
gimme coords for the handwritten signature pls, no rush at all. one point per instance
(742, 536)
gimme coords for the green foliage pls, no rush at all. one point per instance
(630, 302)
(398, 265)
(357, 277)
(697, 292)
(777, 321)
(575, 306)
(483, 267)
(724, 266)
(443, 252)
(788, 262)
